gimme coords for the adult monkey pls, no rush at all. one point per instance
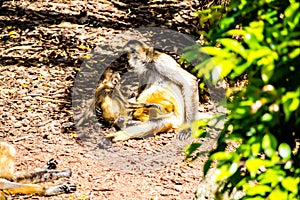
(164, 83)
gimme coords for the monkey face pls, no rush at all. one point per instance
(111, 80)
(139, 55)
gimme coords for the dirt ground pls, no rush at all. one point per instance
(42, 46)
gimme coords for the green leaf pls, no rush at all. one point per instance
(223, 66)
(207, 166)
(294, 105)
(271, 17)
(273, 176)
(256, 54)
(285, 151)
(255, 148)
(275, 158)
(294, 53)
(198, 128)
(240, 112)
(291, 184)
(226, 22)
(267, 70)
(223, 172)
(191, 148)
(223, 156)
(288, 165)
(290, 13)
(191, 55)
(269, 144)
(290, 102)
(278, 194)
(257, 28)
(200, 133)
(253, 165)
(240, 69)
(258, 190)
(267, 117)
(204, 67)
(234, 46)
(235, 32)
(269, 152)
(213, 51)
(251, 41)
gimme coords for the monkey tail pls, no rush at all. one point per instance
(150, 127)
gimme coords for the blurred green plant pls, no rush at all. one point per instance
(259, 38)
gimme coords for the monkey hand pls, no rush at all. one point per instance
(119, 136)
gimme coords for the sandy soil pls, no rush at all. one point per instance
(42, 45)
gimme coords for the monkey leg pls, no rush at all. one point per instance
(51, 164)
(144, 129)
(13, 188)
(2, 195)
(60, 189)
(41, 175)
(184, 134)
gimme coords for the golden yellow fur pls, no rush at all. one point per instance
(109, 99)
(160, 97)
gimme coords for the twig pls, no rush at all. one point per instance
(51, 100)
(22, 138)
(24, 47)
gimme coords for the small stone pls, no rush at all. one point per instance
(17, 124)
(27, 104)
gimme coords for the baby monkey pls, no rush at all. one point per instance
(111, 104)
(109, 100)
(24, 183)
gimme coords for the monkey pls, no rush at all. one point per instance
(110, 101)
(25, 183)
(110, 104)
(115, 108)
(172, 92)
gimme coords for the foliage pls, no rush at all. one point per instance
(259, 38)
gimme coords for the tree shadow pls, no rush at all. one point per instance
(123, 15)
(134, 14)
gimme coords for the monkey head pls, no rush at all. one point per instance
(137, 50)
(134, 46)
(111, 79)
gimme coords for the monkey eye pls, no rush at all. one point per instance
(115, 81)
(107, 91)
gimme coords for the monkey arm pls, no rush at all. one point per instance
(170, 69)
(136, 105)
